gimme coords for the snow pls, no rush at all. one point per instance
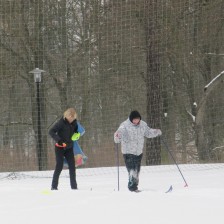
(29, 200)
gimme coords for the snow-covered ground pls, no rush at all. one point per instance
(25, 200)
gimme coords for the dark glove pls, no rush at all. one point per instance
(159, 132)
(60, 142)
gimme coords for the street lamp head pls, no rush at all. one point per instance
(37, 74)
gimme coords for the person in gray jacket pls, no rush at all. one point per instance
(131, 134)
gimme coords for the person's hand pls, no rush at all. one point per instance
(61, 144)
(76, 136)
(159, 132)
(117, 135)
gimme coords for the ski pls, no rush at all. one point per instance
(170, 189)
(137, 191)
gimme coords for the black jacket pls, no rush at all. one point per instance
(63, 131)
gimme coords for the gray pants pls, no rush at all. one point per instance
(133, 165)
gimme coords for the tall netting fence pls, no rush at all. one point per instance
(106, 58)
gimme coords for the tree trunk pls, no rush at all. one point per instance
(152, 31)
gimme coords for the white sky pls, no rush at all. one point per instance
(29, 200)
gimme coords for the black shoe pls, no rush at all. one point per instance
(54, 188)
(133, 189)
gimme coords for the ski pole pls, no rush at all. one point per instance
(118, 175)
(165, 144)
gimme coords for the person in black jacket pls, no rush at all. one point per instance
(62, 133)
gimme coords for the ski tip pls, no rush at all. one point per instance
(186, 185)
(170, 189)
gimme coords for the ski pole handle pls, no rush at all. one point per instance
(61, 146)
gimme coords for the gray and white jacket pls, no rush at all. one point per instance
(131, 136)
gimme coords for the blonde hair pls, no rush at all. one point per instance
(70, 112)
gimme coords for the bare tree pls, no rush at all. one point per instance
(152, 28)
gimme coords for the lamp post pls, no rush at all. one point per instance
(37, 79)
